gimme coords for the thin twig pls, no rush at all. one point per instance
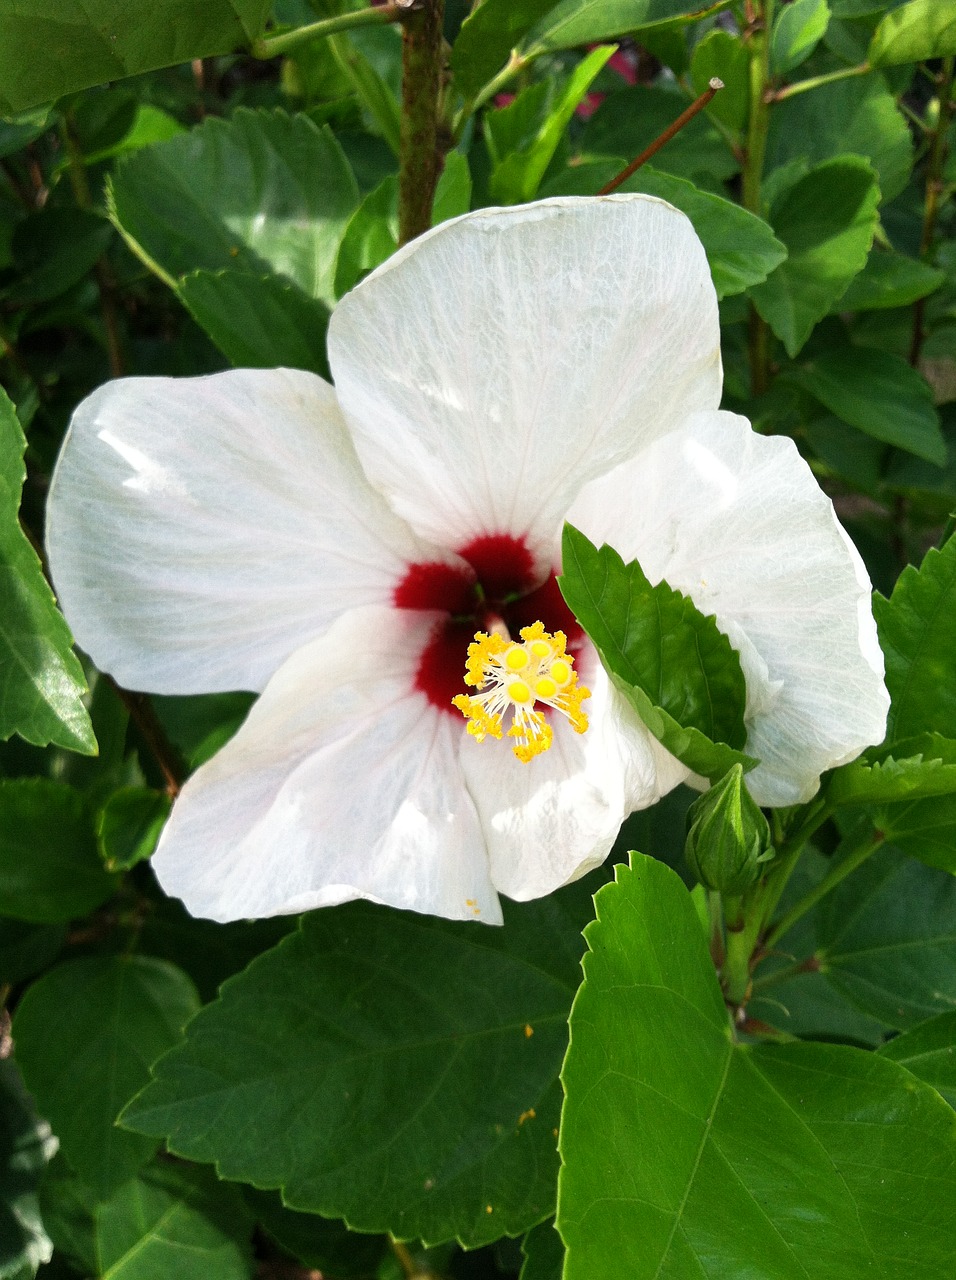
(684, 118)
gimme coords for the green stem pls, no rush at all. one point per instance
(419, 159)
(810, 965)
(934, 190)
(741, 945)
(272, 46)
(855, 854)
(757, 128)
(513, 67)
(816, 82)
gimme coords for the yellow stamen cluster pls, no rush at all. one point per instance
(516, 676)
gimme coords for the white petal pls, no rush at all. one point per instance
(553, 819)
(737, 522)
(502, 360)
(342, 783)
(199, 530)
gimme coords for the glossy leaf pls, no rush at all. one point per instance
(363, 1041)
(41, 681)
(826, 220)
(741, 248)
(258, 322)
(50, 869)
(48, 51)
(129, 825)
(890, 280)
(798, 30)
(575, 22)
(86, 1035)
(675, 667)
(262, 191)
(174, 1222)
(929, 1051)
(801, 1161)
(26, 1145)
(914, 32)
(876, 392)
(887, 939)
(917, 627)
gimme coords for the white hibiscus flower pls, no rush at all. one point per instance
(337, 550)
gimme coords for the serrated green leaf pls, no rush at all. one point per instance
(796, 1161)
(917, 628)
(914, 32)
(741, 248)
(26, 1145)
(41, 680)
(826, 219)
(129, 825)
(258, 322)
(919, 767)
(887, 939)
(890, 280)
(517, 173)
(929, 1051)
(47, 51)
(178, 1223)
(876, 392)
(262, 191)
(86, 1035)
(725, 57)
(362, 1041)
(674, 666)
(798, 30)
(575, 22)
(49, 866)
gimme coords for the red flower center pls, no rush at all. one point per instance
(501, 587)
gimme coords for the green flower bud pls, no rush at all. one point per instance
(727, 836)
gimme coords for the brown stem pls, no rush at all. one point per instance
(143, 715)
(684, 118)
(419, 156)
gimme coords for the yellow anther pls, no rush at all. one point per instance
(548, 677)
(517, 658)
(560, 672)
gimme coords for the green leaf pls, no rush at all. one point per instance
(129, 826)
(258, 322)
(674, 666)
(86, 1034)
(929, 1051)
(486, 39)
(262, 191)
(47, 51)
(173, 1222)
(26, 1145)
(380, 99)
(321, 1243)
(576, 22)
(368, 1034)
(890, 280)
(887, 939)
(797, 1161)
(53, 250)
(518, 170)
(917, 628)
(453, 192)
(878, 393)
(41, 680)
(25, 949)
(543, 1253)
(725, 57)
(798, 30)
(50, 869)
(826, 220)
(919, 767)
(370, 237)
(914, 32)
(858, 116)
(741, 248)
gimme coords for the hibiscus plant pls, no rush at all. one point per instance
(498, 818)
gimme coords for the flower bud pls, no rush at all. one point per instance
(727, 836)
